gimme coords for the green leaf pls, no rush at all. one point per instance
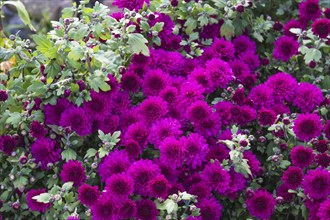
(43, 197)
(67, 12)
(69, 154)
(158, 27)
(67, 186)
(22, 13)
(20, 182)
(296, 31)
(14, 119)
(45, 46)
(76, 53)
(91, 152)
(312, 54)
(145, 26)
(228, 29)
(190, 25)
(137, 43)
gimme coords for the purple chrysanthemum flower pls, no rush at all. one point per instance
(170, 62)
(240, 69)
(44, 151)
(196, 150)
(283, 191)
(53, 112)
(316, 184)
(164, 128)
(73, 171)
(209, 126)
(3, 95)
(130, 82)
(261, 205)
(324, 210)
(237, 184)
(88, 195)
(77, 119)
(142, 172)
(223, 110)
(243, 44)
(146, 210)
(198, 111)
(98, 107)
(152, 108)
(308, 97)
(119, 186)
(127, 209)
(292, 177)
(120, 102)
(172, 152)
(321, 27)
(291, 24)
(128, 118)
(309, 10)
(218, 152)
(307, 126)
(138, 132)
(253, 162)
(283, 87)
(327, 129)
(251, 59)
(190, 92)
(322, 160)
(201, 190)
(210, 208)
(132, 148)
(218, 73)
(154, 81)
(108, 124)
(266, 117)
(104, 209)
(223, 49)
(210, 31)
(158, 187)
(216, 177)
(169, 94)
(285, 48)
(34, 204)
(261, 96)
(302, 156)
(130, 4)
(37, 130)
(116, 162)
(7, 144)
(242, 115)
(200, 76)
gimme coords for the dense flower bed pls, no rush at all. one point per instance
(169, 111)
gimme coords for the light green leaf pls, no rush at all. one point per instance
(76, 53)
(145, 26)
(45, 46)
(158, 27)
(91, 152)
(228, 29)
(137, 43)
(22, 13)
(312, 54)
(43, 197)
(14, 119)
(69, 154)
(67, 186)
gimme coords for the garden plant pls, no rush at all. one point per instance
(168, 109)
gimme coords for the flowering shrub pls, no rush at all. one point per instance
(169, 110)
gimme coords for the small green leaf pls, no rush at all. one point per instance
(91, 152)
(76, 53)
(312, 54)
(145, 26)
(22, 13)
(137, 43)
(158, 27)
(14, 119)
(69, 154)
(43, 197)
(227, 29)
(67, 186)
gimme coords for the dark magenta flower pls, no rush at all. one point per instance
(76, 119)
(308, 97)
(37, 130)
(316, 184)
(261, 204)
(139, 133)
(266, 117)
(119, 186)
(98, 107)
(309, 10)
(196, 150)
(218, 73)
(292, 177)
(285, 48)
(164, 128)
(53, 112)
(146, 210)
(158, 187)
(283, 191)
(216, 177)
(130, 81)
(291, 24)
(210, 208)
(307, 126)
(243, 44)
(322, 160)
(324, 210)
(104, 208)
(152, 108)
(88, 195)
(127, 209)
(261, 96)
(34, 204)
(172, 152)
(73, 171)
(283, 87)
(154, 81)
(198, 111)
(321, 27)
(3, 95)
(130, 4)
(200, 190)
(45, 151)
(7, 144)
(302, 156)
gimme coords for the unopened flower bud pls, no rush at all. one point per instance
(16, 205)
(279, 200)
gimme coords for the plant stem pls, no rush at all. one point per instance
(89, 64)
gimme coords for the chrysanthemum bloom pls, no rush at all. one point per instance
(116, 162)
(104, 208)
(77, 119)
(130, 4)
(34, 204)
(316, 184)
(216, 177)
(44, 151)
(321, 27)
(201, 190)
(292, 177)
(158, 187)
(140, 60)
(321, 145)
(3, 95)
(190, 92)
(120, 102)
(153, 82)
(152, 109)
(237, 184)
(132, 148)
(266, 117)
(240, 69)
(307, 126)
(73, 171)
(138, 132)
(302, 156)
(198, 111)
(210, 209)
(224, 49)
(146, 210)
(322, 160)
(128, 118)
(243, 44)
(324, 210)
(283, 87)
(261, 204)
(308, 97)
(130, 82)
(37, 130)
(127, 209)
(196, 150)
(142, 172)
(327, 129)
(210, 31)
(283, 191)
(53, 112)
(172, 152)
(119, 186)
(169, 94)
(291, 24)
(98, 107)
(309, 10)
(210, 126)
(218, 152)
(239, 96)
(242, 115)
(164, 128)
(261, 96)
(253, 162)
(251, 59)
(223, 110)
(199, 75)
(88, 195)
(7, 144)
(285, 48)
(171, 62)
(219, 73)
(108, 124)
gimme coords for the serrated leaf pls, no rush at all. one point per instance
(137, 44)
(67, 186)
(145, 26)
(76, 53)
(312, 54)
(158, 27)
(45, 46)
(227, 29)
(43, 197)
(14, 119)
(91, 152)
(69, 154)
(22, 13)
